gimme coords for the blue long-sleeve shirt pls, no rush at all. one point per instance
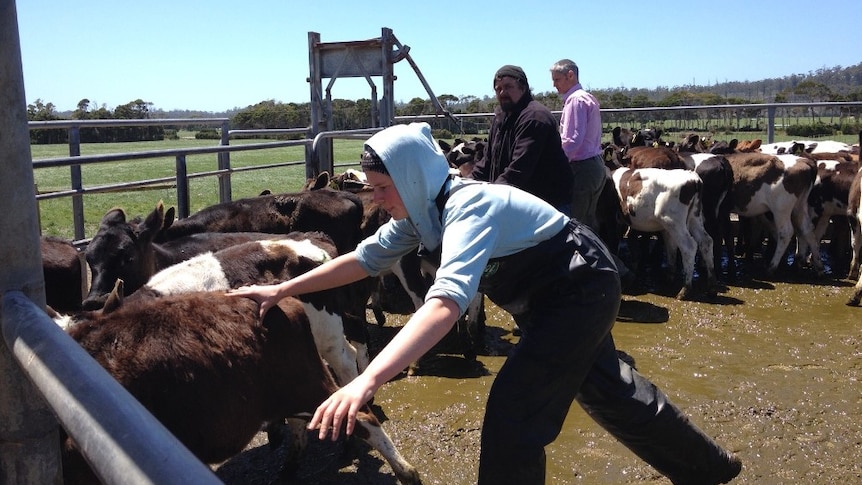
(478, 222)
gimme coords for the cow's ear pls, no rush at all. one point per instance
(115, 297)
(113, 217)
(320, 182)
(616, 136)
(170, 216)
(52, 314)
(153, 223)
(445, 146)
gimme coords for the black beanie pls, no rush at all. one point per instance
(511, 71)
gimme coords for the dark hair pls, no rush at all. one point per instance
(370, 161)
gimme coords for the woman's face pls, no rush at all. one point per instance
(386, 195)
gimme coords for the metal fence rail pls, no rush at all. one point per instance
(75, 161)
(770, 108)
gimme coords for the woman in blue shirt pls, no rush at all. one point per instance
(533, 261)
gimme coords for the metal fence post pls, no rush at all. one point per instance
(183, 198)
(77, 182)
(29, 434)
(770, 124)
(224, 164)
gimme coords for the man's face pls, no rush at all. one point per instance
(509, 92)
(563, 82)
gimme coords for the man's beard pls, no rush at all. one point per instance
(506, 104)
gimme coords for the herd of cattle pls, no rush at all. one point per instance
(151, 307)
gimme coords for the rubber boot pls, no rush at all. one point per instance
(660, 434)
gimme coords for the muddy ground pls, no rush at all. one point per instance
(770, 369)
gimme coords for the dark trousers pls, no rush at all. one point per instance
(566, 353)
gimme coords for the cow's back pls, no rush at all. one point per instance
(336, 213)
(207, 368)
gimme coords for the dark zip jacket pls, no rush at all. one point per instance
(524, 150)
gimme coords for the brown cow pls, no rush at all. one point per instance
(213, 373)
(336, 213)
(65, 271)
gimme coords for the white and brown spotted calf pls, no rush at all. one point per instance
(828, 203)
(780, 185)
(125, 249)
(855, 213)
(809, 146)
(463, 154)
(668, 202)
(340, 339)
(209, 369)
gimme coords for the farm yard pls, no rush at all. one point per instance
(770, 368)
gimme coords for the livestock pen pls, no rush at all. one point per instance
(181, 177)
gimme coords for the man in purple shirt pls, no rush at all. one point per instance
(581, 134)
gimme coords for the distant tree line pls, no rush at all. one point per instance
(133, 110)
(833, 84)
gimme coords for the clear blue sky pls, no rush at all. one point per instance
(216, 55)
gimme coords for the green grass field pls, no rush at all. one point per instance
(56, 214)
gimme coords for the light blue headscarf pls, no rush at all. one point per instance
(418, 169)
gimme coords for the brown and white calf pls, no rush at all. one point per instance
(463, 154)
(209, 369)
(828, 203)
(809, 146)
(125, 249)
(668, 202)
(780, 185)
(855, 212)
(340, 339)
(133, 250)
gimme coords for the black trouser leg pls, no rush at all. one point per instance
(640, 416)
(535, 387)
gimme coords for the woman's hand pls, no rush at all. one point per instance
(341, 408)
(266, 295)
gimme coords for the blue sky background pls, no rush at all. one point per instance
(217, 55)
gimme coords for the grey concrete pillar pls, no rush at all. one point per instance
(29, 439)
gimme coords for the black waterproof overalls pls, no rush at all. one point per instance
(566, 292)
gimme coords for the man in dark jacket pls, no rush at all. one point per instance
(524, 147)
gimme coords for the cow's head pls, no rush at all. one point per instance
(123, 250)
(612, 156)
(464, 154)
(647, 137)
(693, 143)
(622, 137)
